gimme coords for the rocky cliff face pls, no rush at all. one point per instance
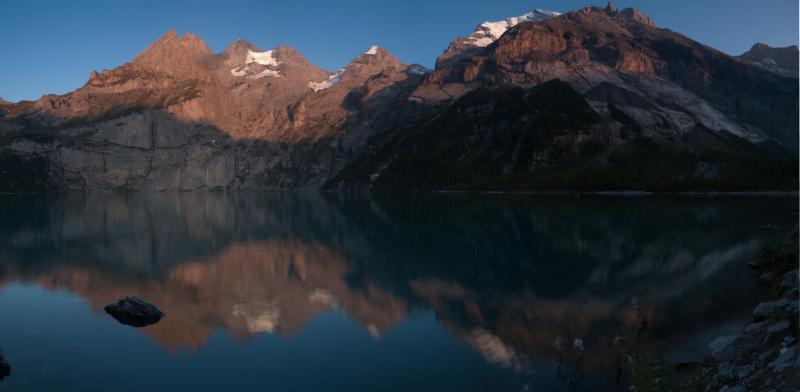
(182, 117)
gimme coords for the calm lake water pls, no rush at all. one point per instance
(283, 291)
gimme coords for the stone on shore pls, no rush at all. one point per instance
(787, 358)
(134, 311)
(765, 310)
(776, 332)
(730, 347)
(790, 280)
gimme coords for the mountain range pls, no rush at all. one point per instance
(594, 99)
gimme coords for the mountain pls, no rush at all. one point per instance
(661, 111)
(595, 50)
(633, 106)
(782, 61)
(181, 117)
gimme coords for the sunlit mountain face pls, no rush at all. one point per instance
(503, 291)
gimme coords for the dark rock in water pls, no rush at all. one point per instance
(5, 368)
(134, 311)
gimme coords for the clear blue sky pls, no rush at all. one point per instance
(52, 46)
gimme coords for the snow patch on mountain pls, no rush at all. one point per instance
(488, 32)
(266, 59)
(373, 50)
(263, 58)
(239, 71)
(333, 79)
(267, 72)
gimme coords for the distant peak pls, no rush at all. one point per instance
(780, 60)
(375, 57)
(418, 69)
(171, 42)
(240, 45)
(763, 46)
(375, 53)
(172, 33)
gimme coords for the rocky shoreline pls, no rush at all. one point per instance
(764, 356)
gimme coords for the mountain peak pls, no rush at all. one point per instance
(172, 41)
(172, 53)
(375, 56)
(760, 46)
(239, 46)
(376, 51)
(486, 33)
(782, 61)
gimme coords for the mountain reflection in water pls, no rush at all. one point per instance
(538, 286)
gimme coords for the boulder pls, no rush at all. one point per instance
(726, 371)
(763, 357)
(766, 309)
(787, 358)
(731, 347)
(134, 311)
(776, 332)
(789, 280)
(756, 327)
(745, 371)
